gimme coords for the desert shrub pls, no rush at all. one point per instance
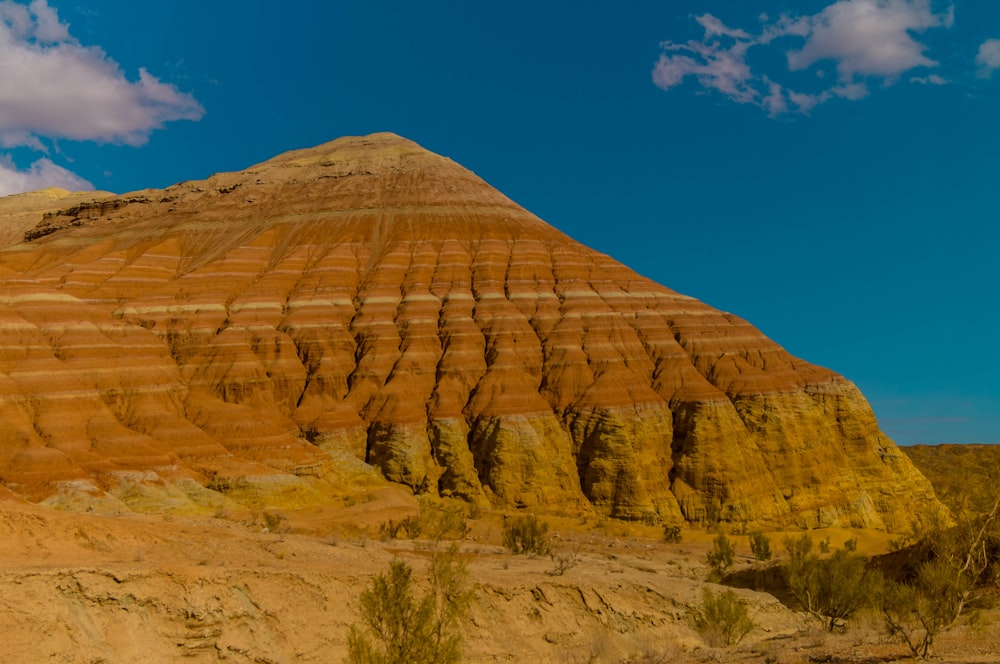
(407, 528)
(526, 534)
(916, 611)
(397, 624)
(442, 519)
(398, 627)
(832, 589)
(564, 560)
(672, 534)
(720, 558)
(760, 546)
(273, 521)
(851, 545)
(723, 620)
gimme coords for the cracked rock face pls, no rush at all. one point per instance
(269, 332)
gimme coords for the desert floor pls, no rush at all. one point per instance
(162, 588)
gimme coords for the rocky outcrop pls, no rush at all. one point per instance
(368, 299)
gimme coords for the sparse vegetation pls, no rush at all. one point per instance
(398, 627)
(916, 612)
(438, 520)
(564, 560)
(900, 543)
(760, 546)
(406, 528)
(831, 589)
(720, 558)
(723, 619)
(273, 521)
(672, 534)
(526, 534)
(961, 560)
(443, 519)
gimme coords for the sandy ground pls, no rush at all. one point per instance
(161, 588)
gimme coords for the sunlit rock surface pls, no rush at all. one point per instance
(268, 336)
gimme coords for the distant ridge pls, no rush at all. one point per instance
(958, 470)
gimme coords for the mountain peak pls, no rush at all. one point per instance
(367, 306)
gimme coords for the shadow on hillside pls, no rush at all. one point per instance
(769, 578)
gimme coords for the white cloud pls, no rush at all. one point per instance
(41, 175)
(988, 58)
(932, 79)
(869, 37)
(864, 39)
(714, 26)
(722, 69)
(53, 87)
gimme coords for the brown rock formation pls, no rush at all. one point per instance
(253, 333)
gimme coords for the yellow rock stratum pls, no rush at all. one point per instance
(269, 336)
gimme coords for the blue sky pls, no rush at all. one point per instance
(825, 169)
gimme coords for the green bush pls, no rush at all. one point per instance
(720, 558)
(442, 519)
(398, 627)
(960, 570)
(916, 612)
(672, 534)
(832, 589)
(760, 546)
(724, 620)
(408, 528)
(526, 534)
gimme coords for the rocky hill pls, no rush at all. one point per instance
(963, 476)
(268, 337)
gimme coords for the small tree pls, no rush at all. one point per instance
(760, 546)
(720, 558)
(724, 620)
(526, 534)
(832, 589)
(960, 557)
(916, 613)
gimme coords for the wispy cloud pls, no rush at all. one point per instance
(865, 40)
(988, 58)
(931, 79)
(40, 175)
(53, 87)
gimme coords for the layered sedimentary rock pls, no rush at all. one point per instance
(369, 301)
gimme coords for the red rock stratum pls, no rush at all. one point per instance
(261, 336)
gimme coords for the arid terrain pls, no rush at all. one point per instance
(163, 588)
(214, 398)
